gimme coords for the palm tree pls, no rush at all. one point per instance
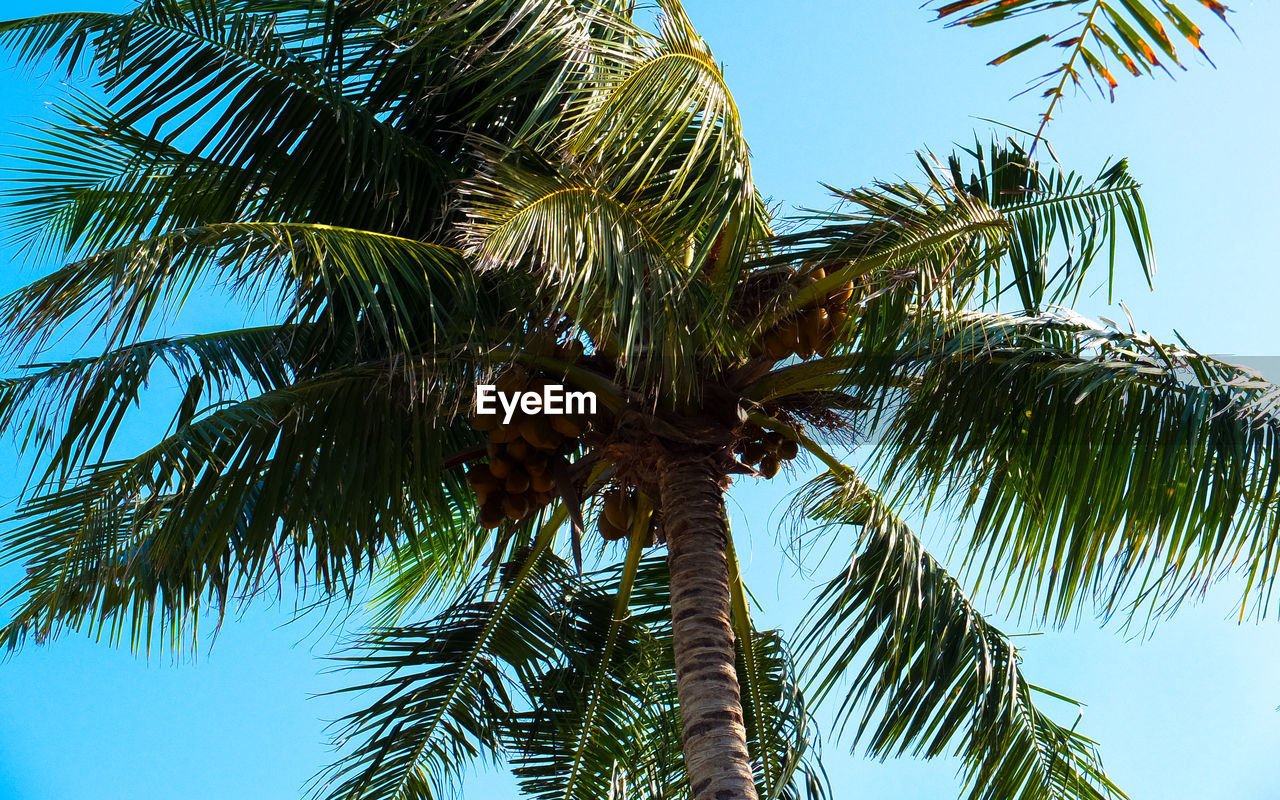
(432, 195)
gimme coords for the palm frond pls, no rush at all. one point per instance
(930, 674)
(67, 413)
(908, 254)
(1096, 462)
(265, 111)
(1098, 40)
(407, 291)
(661, 128)
(604, 719)
(502, 69)
(584, 732)
(83, 184)
(914, 234)
(444, 696)
(313, 480)
(64, 37)
(592, 255)
(901, 247)
(1054, 214)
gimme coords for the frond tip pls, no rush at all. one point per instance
(935, 677)
(1105, 38)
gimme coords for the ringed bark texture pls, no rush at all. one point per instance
(697, 529)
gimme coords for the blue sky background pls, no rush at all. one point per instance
(842, 93)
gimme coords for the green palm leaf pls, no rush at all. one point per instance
(662, 129)
(1098, 463)
(584, 733)
(406, 290)
(1055, 214)
(444, 697)
(239, 497)
(774, 710)
(935, 677)
(86, 184)
(955, 240)
(71, 410)
(591, 253)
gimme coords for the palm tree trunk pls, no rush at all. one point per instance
(697, 531)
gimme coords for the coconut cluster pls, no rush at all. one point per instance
(765, 450)
(516, 480)
(813, 328)
(619, 515)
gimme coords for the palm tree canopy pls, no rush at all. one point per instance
(431, 195)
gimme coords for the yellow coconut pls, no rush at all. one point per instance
(536, 463)
(609, 531)
(567, 426)
(541, 482)
(619, 508)
(538, 432)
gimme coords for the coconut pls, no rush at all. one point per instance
(491, 514)
(518, 449)
(479, 474)
(518, 481)
(516, 506)
(619, 508)
(512, 379)
(842, 294)
(610, 532)
(538, 432)
(541, 482)
(567, 426)
(777, 345)
(752, 452)
(503, 434)
(501, 466)
(536, 463)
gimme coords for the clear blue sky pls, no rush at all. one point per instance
(830, 92)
